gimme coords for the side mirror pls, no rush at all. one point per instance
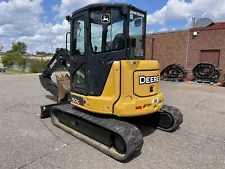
(68, 18)
(137, 23)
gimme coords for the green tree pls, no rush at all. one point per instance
(36, 66)
(19, 47)
(12, 58)
(43, 53)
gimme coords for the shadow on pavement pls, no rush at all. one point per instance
(51, 97)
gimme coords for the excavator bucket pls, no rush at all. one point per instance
(63, 87)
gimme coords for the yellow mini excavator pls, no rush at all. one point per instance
(109, 81)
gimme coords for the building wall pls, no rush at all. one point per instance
(148, 48)
(183, 48)
(207, 40)
(168, 48)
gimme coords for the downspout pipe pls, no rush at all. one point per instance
(153, 42)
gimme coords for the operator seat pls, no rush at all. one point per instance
(118, 42)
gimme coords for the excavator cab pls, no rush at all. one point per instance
(107, 52)
(109, 80)
(100, 35)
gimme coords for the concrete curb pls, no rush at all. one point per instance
(28, 74)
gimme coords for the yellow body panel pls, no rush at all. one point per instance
(129, 102)
(131, 94)
(140, 88)
(104, 103)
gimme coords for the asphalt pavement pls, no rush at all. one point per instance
(28, 142)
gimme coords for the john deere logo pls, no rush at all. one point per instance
(148, 79)
(105, 18)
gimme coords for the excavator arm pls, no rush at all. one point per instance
(62, 87)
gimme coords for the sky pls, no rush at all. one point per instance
(42, 26)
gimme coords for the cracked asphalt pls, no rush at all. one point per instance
(28, 142)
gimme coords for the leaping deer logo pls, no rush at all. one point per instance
(105, 18)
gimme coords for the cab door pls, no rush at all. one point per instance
(78, 54)
(107, 43)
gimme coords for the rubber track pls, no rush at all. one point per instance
(166, 76)
(130, 133)
(176, 115)
(212, 75)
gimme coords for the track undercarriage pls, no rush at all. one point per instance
(118, 138)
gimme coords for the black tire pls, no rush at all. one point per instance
(172, 121)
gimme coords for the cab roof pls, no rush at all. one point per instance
(106, 4)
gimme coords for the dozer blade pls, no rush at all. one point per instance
(63, 87)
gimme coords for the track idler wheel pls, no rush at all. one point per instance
(169, 118)
(119, 144)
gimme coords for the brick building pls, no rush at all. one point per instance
(189, 47)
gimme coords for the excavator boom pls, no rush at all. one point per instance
(60, 88)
